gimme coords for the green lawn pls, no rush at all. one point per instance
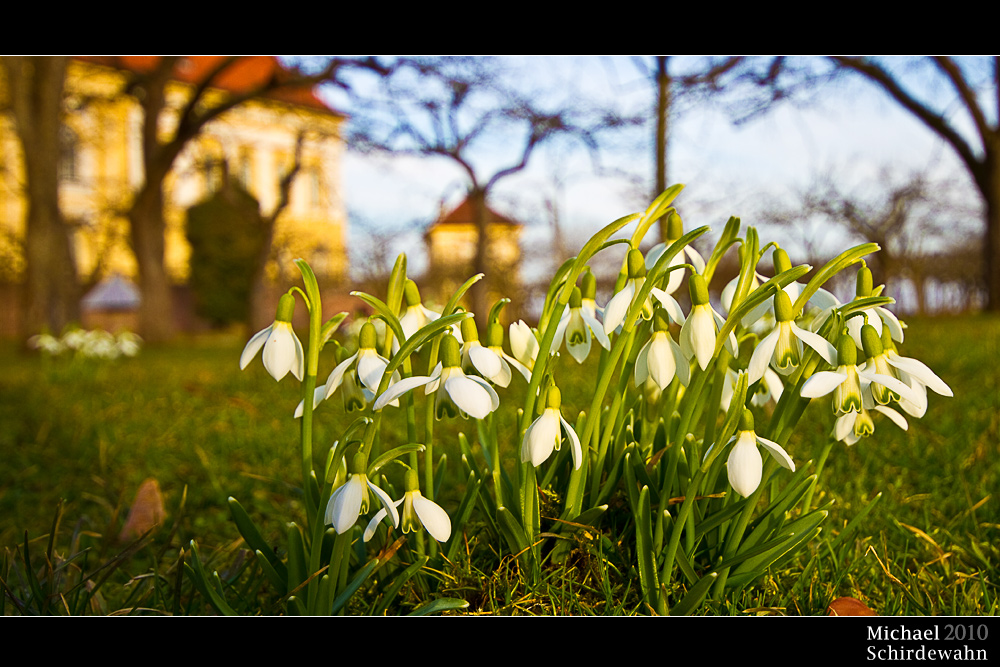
(89, 433)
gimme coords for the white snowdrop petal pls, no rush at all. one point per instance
(617, 308)
(779, 454)
(762, 356)
(921, 372)
(471, 397)
(398, 389)
(897, 419)
(386, 502)
(822, 383)
(485, 360)
(253, 346)
(816, 342)
(574, 441)
(436, 521)
(745, 465)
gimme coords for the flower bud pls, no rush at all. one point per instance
(589, 285)
(451, 354)
(494, 334)
(368, 338)
(553, 398)
(864, 285)
(781, 261)
(783, 307)
(699, 289)
(286, 308)
(469, 331)
(847, 351)
(411, 293)
(636, 264)
(675, 227)
(871, 343)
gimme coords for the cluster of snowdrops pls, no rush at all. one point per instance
(683, 399)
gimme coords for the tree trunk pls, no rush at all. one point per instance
(662, 130)
(480, 291)
(990, 187)
(156, 312)
(52, 294)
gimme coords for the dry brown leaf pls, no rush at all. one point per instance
(848, 606)
(147, 511)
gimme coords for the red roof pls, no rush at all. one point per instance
(243, 75)
(463, 215)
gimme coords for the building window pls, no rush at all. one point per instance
(69, 155)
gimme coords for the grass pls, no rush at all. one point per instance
(83, 436)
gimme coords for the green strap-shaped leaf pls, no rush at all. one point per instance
(397, 584)
(196, 572)
(296, 558)
(393, 453)
(353, 585)
(695, 595)
(256, 542)
(438, 606)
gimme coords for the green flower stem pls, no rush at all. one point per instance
(666, 572)
(308, 389)
(621, 346)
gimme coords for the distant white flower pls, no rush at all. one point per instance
(523, 344)
(282, 349)
(620, 303)
(545, 434)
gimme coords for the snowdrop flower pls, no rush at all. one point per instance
(491, 361)
(47, 343)
(769, 389)
(844, 383)
(350, 500)
(822, 299)
(416, 316)
(618, 306)
(282, 349)
(494, 343)
(783, 346)
(852, 395)
(369, 367)
(915, 374)
(745, 464)
(523, 344)
(456, 392)
(687, 254)
(661, 358)
(418, 513)
(576, 326)
(877, 316)
(545, 433)
(698, 334)
(879, 371)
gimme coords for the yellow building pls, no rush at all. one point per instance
(451, 249)
(101, 167)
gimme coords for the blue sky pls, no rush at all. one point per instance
(729, 170)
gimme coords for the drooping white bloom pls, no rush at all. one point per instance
(362, 371)
(687, 254)
(418, 512)
(545, 434)
(416, 316)
(916, 375)
(661, 358)
(620, 303)
(456, 391)
(523, 344)
(702, 326)
(282, 349)
(350, 500)
(745, 465)
(782, 348)
(576, 326)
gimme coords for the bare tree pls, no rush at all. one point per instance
(975, 86)
(452, 108)
(35, 94)
(909, 216)
(160, 150)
